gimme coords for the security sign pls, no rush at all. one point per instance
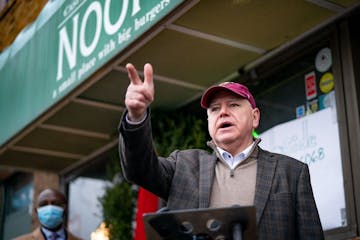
(310, 85)
(323, 60)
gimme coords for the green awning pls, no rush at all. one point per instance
(67, 43)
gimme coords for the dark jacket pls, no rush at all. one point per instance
(284, 202)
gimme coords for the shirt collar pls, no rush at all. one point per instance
(48, 233)
(234, 160)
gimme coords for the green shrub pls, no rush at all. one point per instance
(118, 211)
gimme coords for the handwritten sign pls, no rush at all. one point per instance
(314, 139)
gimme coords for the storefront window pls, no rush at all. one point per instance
(85, 211)
(299, 119)
(85, 216)
(17, 206)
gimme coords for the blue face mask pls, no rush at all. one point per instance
(50, 216)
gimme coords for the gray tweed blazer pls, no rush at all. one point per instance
(284, 202)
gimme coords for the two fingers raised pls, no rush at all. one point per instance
(140, 94)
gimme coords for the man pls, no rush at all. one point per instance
(50, 209)
(239, 172)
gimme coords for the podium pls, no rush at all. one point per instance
(230, 223)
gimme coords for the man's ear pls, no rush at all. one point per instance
(256, 117)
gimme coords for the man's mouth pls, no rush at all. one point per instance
(225, 125)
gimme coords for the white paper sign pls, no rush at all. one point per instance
(314, 139)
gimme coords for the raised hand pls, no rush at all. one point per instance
(139, 94)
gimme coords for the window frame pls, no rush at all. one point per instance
(338, 39)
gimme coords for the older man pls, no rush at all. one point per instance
(238, 172)
(50, 209)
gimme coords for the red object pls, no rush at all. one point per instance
(147, 202)
(310, 85)
(236, 88)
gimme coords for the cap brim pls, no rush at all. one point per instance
(210, 92)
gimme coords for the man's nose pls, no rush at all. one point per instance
(223, 111)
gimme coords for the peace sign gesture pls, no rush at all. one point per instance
(139, 94)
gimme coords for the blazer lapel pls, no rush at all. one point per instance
(38, 234)
(206, 178)
(265, 172)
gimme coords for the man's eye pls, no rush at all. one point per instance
(234, 105)
(214, 109)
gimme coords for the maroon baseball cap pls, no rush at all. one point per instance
(236, 88)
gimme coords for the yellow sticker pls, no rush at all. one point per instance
(326, 82)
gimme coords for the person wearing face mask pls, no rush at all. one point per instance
(238, 172)
(50, 209)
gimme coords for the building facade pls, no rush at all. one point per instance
(62, 85)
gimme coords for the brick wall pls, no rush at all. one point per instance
(15, 16)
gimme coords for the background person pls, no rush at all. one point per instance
(50, 209)
(239, 172)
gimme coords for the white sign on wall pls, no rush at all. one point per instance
(314, 139)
